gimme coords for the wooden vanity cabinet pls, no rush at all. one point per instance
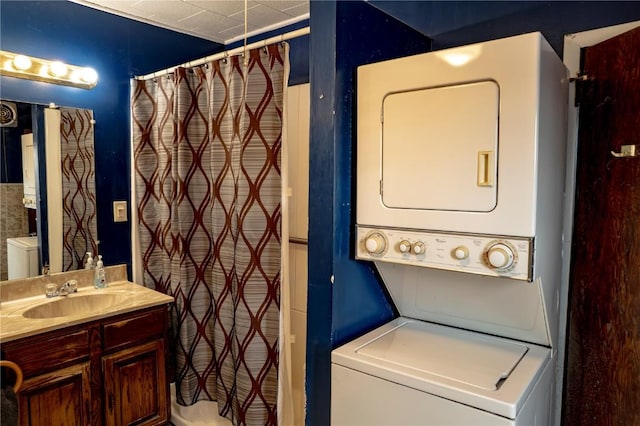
(111, 371)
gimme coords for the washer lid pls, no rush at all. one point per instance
(23, 242)
(458, 365)
(458, 355)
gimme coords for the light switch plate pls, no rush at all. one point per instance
(119, 211)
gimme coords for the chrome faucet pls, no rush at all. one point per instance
(65, 289)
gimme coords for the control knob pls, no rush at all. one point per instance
(404, 246)
(461, 252)
(419, 248)
(500, 256)
(375, 243)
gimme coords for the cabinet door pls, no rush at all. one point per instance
(136, 386)
(61, 397)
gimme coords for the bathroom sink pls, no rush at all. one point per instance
(74, 305)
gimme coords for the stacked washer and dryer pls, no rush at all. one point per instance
(460, 181)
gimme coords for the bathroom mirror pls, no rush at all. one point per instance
(47, 187)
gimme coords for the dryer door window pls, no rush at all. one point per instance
(440, 148)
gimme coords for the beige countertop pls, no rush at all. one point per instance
(130, 296)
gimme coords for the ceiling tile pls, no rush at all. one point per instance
(115, 7)
(168, 10)
(297, 10)
(209, 22)
(216, 20)
(283, 5)
(263, 16)
(222, 7)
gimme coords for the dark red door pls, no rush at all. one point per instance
(602, 384)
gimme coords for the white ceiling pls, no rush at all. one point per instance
(221, 21)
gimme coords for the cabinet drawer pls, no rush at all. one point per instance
(38, 354)
(134, 329)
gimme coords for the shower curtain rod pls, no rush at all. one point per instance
(231, 52)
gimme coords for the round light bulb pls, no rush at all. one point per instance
(89, 75)
(58, 69)
(44, 71)
(22, 62)
(75, 76)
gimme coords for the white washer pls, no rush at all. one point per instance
(22, 257)
(411, 372)
(472, 347)
(460, 170)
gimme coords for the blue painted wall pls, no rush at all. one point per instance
(344, 297)
(354, 303)
(454, 23)
(118, 49)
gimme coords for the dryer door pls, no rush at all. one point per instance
(444, 141)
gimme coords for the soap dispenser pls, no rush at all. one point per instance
(89, 263)
(100, 276)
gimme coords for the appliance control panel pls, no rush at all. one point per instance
(509, 257)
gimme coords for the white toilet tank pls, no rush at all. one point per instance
(22, 257)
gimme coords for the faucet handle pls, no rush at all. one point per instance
(71, 286)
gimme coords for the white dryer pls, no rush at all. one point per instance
(460, 178)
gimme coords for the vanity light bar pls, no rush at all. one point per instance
(56, 72)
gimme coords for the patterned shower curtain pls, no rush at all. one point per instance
(79, 223)
(207, 144)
